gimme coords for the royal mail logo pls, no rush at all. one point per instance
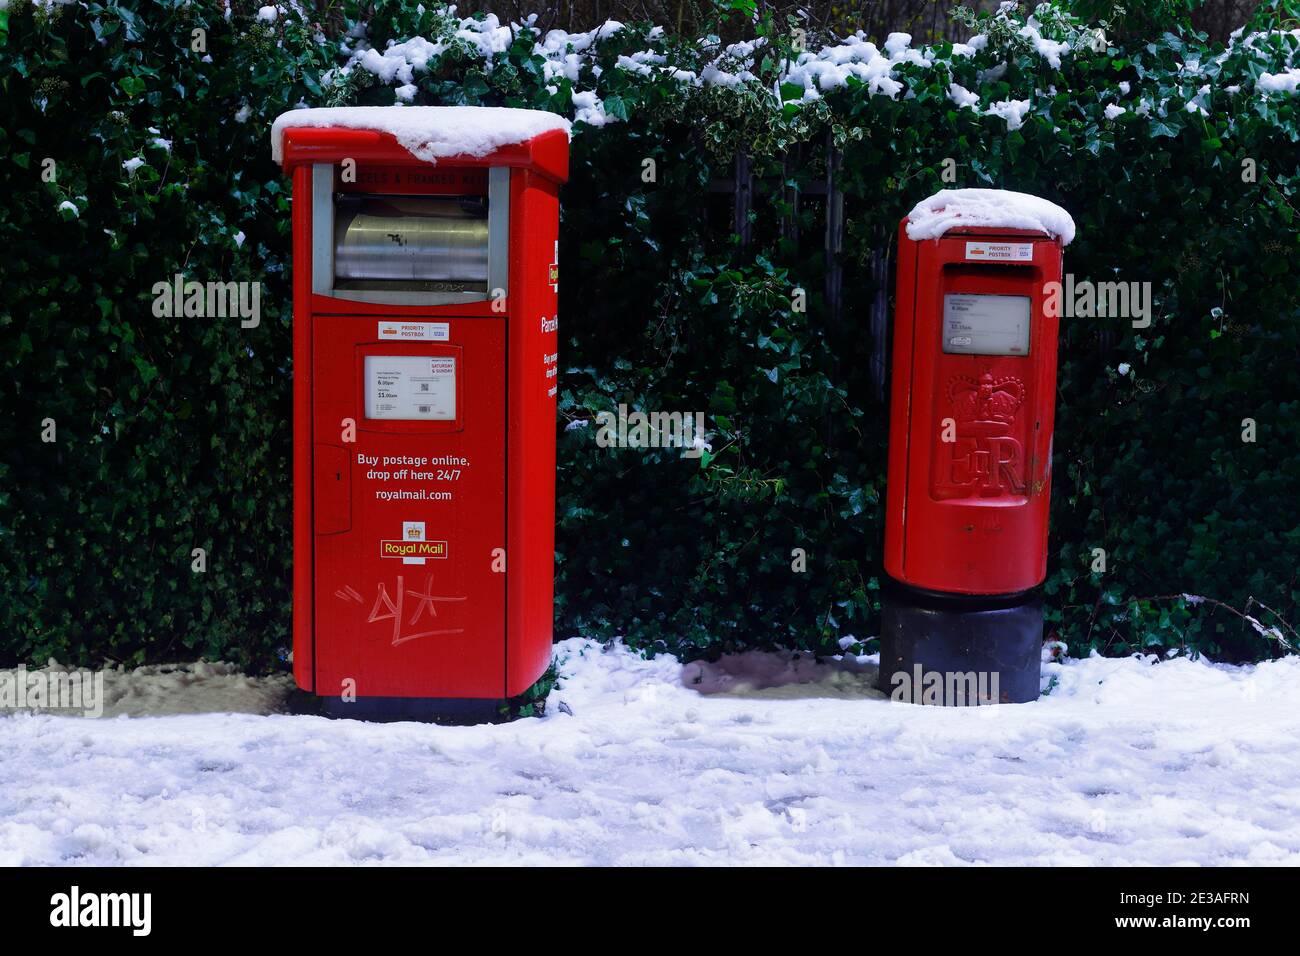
(981, 457)
(391, 548)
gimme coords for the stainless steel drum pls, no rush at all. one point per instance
(411, 239)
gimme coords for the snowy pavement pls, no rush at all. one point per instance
(753, 760)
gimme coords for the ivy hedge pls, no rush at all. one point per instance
(134, 148)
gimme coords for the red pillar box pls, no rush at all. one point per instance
(425, 344)
(970, 447)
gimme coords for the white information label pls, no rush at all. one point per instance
(415, 331)
(985, 324)
(411, 387)
(1000, 251)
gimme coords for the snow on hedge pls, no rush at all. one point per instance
(429, 132)
(1013, 111)
(962, 97)
(572, 57)
(987, 208)
(1285, 82)
(572, 64)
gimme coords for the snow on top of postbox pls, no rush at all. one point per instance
(429, 132)
(987, 208)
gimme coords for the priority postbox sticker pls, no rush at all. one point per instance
(416, 331)
(1000, 251)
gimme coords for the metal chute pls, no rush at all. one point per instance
(411, 239)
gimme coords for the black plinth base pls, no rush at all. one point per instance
(958, 650)
(433, 710)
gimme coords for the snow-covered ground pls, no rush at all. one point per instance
(752, 760)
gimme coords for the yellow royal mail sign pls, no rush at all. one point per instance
(391, 548)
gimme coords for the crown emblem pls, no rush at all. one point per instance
(989, 400)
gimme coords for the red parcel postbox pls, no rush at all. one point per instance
(970, 446)
(425, 358)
